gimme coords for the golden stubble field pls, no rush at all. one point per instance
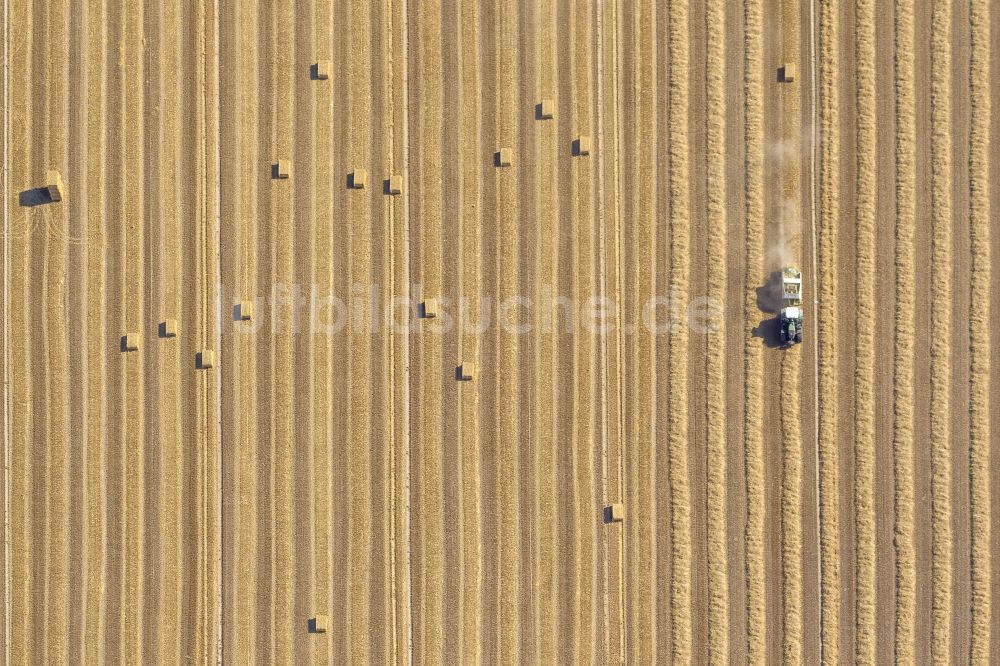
(605, 282)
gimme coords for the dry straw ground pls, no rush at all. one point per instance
(716, 363)
(154, 509)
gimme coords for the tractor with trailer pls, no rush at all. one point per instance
(791, 305)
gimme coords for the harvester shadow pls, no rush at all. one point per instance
(769, 295)
(769, 300)
(37, 196)
(769, 330)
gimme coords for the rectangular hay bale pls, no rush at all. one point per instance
(323, 70)
(283, 169)
(359, 179)
(131, 341)
(54, 185)
(430, 308)
(168, 328)
(205, 359)
(788, 72)
(582, 145)
(503, 157)
(615, 513)
(245, 310)
(319, 624)
(547, 109)
(395, 184)
(467, 371)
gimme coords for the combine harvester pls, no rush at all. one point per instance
(791, 311)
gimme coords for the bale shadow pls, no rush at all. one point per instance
(37, 196)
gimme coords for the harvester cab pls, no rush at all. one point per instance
(791, 311)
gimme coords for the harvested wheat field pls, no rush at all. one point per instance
(448, 331)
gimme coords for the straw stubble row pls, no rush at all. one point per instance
(680, 510)
(864, 351)
(753, 358)
(905, 143)
(791, 364)
(829, 214)
(941, 311)
(979, 318)
(715, 362)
